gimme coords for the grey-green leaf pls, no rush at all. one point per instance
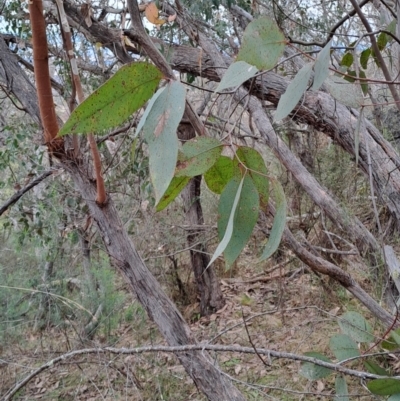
(321, 67)
(279, 223)
(349, 94)
(244, 220)
(343, 347)
(237, 73)
(294, 93)
(237, 186)
(263, 43)
(342, 393)
(160, 134)
(314, 372)
(147, 111)
(354, 325)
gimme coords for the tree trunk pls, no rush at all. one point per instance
(211, 298)
(203, 370)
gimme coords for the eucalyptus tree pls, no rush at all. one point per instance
(242, 48)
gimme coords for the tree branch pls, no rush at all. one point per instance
(23, 191)
(337, 367)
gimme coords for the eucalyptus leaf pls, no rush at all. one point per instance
(113, 102)
(262, 44)
(321, 67)
(223, 170)
(347, 94)
(245, 218)
(294, 93)
(160, 134)
(234, 186)
(312, 371)
(343, 347)
(384, 386)
(354, 325)
(279, 223)
(342, 393)
(237, 73)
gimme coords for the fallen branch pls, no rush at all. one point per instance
(193, 347)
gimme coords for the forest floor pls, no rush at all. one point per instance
(285, 309)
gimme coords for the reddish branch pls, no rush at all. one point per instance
(42, 76)
(101, 197)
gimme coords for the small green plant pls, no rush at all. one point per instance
(356, 331)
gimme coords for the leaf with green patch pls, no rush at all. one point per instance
(234, 187)
(364, 57)
(373, 367)
(294, 93)
(237, 73)
(112, 103)
(321, 67)
(354, 325)
(347, 94)
(223, 170)
(382, 40)
(384, 386)
(257, 170)
(160, 134)
(343, 347)
(279, 223)
(262, 44)
(347, 60)
(311, 371)
(198, 155)
(342, 393)
(245, 217)
(350, 75)
(173, 190)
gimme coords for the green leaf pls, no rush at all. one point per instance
(347, 60)
(198, 155)
(343, 347)
(364, 85)
(160, 134)
(245, 217)
(279, 223)
(237, 73)
(147, 111)
(263, 43)
(321, 67)
(384, 386)
(349, 76)
(373, 367)
(258, 171)
(342, 393)
(112, 103)
(392, 28)
(174, 189)
(220, 174)
(395, 335)
(234, 187)
(313, 372)
(347, 94)
(382, 40)
(364, 57)
(354, 325)
(294, 93)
